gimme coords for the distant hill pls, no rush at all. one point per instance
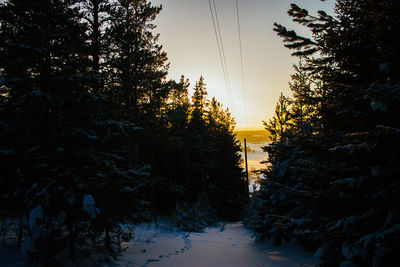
(254, 137)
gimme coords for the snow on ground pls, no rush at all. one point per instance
(230, 246)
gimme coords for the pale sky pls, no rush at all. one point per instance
(187, 35)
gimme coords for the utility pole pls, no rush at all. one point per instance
(247, 171)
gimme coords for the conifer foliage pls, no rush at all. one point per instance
(92, 135)
(331, 182)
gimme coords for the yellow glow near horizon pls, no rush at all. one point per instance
(187, 34)
(257, 128)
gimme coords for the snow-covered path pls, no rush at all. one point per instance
(232, 246)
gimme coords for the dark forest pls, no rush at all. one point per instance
(94, 136)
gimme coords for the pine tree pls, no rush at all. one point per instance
(281, 121)
(71, 177)
(136, 63)
(200, 144)
(88, 124)
(335, 171)
(180, 105)
(96, 16)
(39, 71)
(226, 181)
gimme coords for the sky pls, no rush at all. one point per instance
(187, 35)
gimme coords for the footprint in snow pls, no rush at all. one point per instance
(188, 245)
(150, 261)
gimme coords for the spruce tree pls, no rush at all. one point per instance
(96, 16)
(135, 62)
(335, 169)
(88, 124)
(226, 183)
(71, 177)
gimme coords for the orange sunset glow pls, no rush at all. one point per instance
(186, 32)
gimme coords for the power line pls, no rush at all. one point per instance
(241, 63)
(221, 50)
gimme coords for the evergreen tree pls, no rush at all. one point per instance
(135, 62)
(331, 184)
(66, 147)
(207, 174)
(179, 105)
(200, 144)
(281, 120)
(96, 16)
(227, 186)
(199, 100)
(88, 124)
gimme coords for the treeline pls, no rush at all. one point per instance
(92, 135)
(332, 176)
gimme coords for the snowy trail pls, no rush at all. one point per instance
(232, 246)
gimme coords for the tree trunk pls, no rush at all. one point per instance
(96, 46)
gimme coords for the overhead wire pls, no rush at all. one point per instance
(221, 51)
(241, 63)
